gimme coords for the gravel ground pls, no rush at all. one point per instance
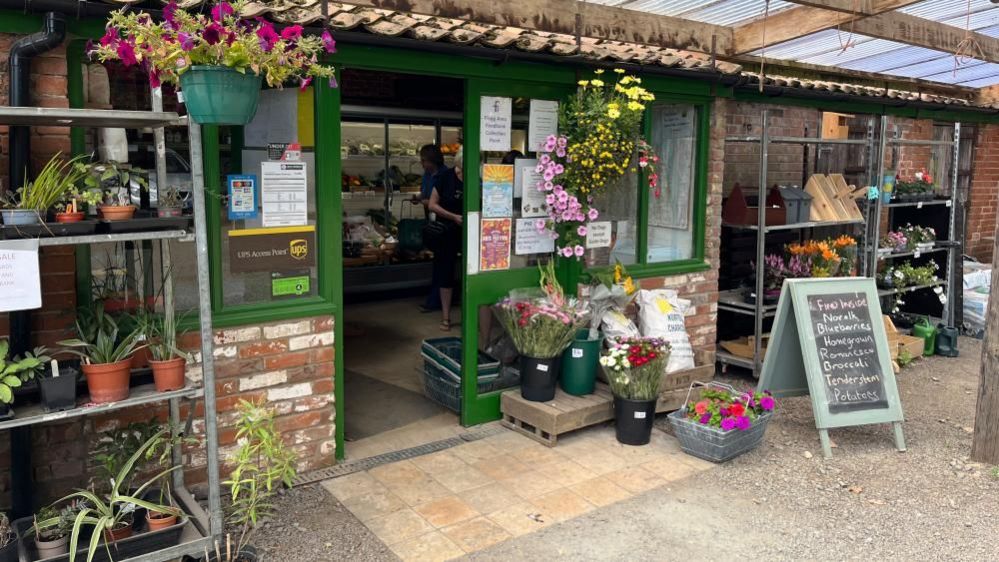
(314, 527)
(783, 501)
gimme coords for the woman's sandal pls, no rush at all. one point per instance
(445, 325)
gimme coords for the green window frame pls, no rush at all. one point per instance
(643, 268)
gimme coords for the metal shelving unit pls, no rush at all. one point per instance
(892, 142)
(732, 301)
(206, 527)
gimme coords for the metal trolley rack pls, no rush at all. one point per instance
(206, 527)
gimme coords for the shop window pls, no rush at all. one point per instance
(618, 204)
(669, 216)
(267, 211)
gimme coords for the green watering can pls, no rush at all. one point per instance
(928, 333)
(946, 340)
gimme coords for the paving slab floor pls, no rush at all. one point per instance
(477, 495)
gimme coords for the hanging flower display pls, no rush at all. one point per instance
(600, 142)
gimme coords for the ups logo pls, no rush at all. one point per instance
(299, 249)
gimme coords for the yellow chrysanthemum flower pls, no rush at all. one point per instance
(619, 70)
(584, 83)
(597, 82)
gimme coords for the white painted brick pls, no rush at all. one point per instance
(237, 335)
(194, 373)
(263, 380)
(287, 329)
(313, 402)
(281, 408)
(288, 392)
(225, 351)
(327, 448)
(310, 340)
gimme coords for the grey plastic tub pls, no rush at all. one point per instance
(713, 444)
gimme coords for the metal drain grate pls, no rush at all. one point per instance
(360, 465)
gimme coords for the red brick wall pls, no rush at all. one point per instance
(288, 365)
(784, 161)
(981, 218)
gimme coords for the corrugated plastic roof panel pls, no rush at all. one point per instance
(718, 12)
(870, 54)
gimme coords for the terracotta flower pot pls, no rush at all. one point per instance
(55, 547)
(169, 374)
(116, 212)
(69, 217)
(157, 521)
(119, 533)
(168, 212)
(108, 382)
(142, 358)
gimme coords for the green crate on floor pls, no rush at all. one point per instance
(442, 371)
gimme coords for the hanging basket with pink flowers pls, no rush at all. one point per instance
(218, 59)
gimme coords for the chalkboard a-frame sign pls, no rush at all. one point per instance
(828, 341)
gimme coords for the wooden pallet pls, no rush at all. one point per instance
(545, 421)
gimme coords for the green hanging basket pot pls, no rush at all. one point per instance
(218, 95)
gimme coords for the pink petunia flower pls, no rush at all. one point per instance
(581, 230)
(567, 252)
(221, 10)
(291, 32)
(593, 214)
(580, 251)
(328, 42)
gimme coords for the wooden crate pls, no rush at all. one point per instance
(898, 341)
(545, 421)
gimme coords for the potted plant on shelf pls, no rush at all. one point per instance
(541, 328)
(8, 540)
(14, 373)
(167, 361)
(113, 183)
(261, 464)
(71, 208)
(169, 203)
(723, 423)
(29, 204)
(111, 516)
(218, 58)
(634, 368)
(106, 354)
(52, 528)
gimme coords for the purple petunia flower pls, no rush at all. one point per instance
(110, 37)
(723, 412)
(333, 83)
(305, 83)
(154, 79)
(268, 37)
(212, 33)
(127, 54)
(168, 11)
(743, 423)
(221, 10)
(728, 424)
(705, 418)
(186, 41)
(767, 403)
(328, 42)
(291, 32)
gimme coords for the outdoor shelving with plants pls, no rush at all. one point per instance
(218, 59)
(15, 372)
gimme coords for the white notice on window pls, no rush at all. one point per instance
(494, 123)
(598, 234)
(543, 122)
(530, 241)
(20, 283)
(284, 193)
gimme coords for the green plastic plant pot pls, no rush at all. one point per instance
(579, 364)
(218, 95)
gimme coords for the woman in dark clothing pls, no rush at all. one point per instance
(447, 204)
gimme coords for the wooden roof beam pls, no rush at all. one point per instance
(911, 30)
(572, 17)
(805, 20)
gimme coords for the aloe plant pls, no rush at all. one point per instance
(56, 179)
(100, 341)
(105, 513)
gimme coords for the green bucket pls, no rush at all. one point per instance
(579, 364)
(218, 95)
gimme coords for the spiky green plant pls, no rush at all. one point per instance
(53, 182)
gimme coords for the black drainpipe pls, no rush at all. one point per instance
(21, 52)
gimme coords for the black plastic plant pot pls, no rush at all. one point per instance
(538, 378)
(633, 420)
(58, 393)
(6, 413)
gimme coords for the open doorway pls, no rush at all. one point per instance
(390, 303)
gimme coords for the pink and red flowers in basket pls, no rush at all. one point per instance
(722, 409)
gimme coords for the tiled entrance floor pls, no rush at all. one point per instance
(446, 504)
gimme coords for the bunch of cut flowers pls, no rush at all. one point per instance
(727, 411)
(541, 323)
(635, 366)
(614, 289)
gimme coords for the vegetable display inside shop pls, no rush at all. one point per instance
(635, 368)
(218, 57)
(721, 423)
(542, 325)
